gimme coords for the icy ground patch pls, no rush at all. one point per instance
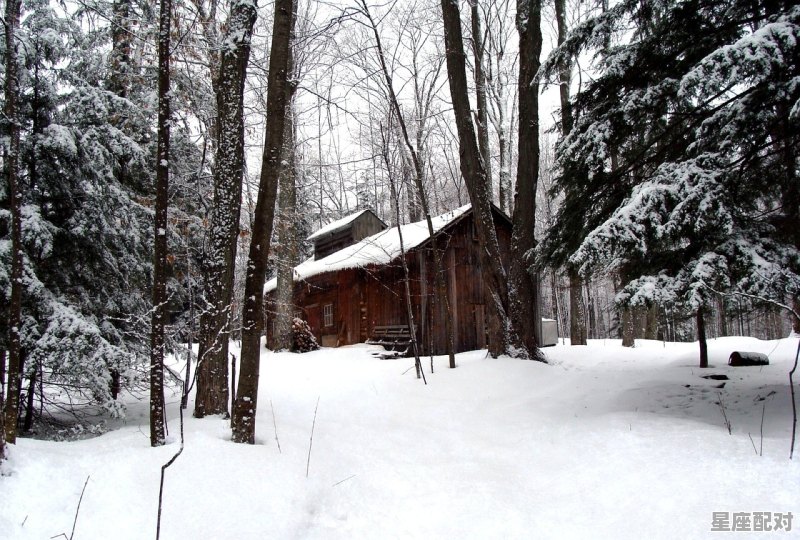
(604, 442)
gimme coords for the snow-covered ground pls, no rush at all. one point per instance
(604, 442)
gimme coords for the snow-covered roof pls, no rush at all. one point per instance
(337, 225)
(380, 248)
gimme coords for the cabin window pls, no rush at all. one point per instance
(327, 312)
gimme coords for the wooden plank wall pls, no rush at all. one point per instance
(374, 296)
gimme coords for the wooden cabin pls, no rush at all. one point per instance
(345, 232)
(355, 291)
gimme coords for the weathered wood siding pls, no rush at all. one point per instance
(375, 296)
(363, 226)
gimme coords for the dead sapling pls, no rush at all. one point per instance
(184, 396)
(727, 422)
(77, 511)
(311, 439)
(275, 426)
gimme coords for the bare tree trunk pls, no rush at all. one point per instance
(287, 226)
(244, 412)
(287, 207)
(591, 312)
(651, 325)
(796, 320)
(120, 56)
(406, 284)
(441, 283)
(524, 281)
(212, 367)
(722, 316)
(557, 304)
(27, 424)
(2, 403)
(474, 173)
(701, 338)
(481, 120)
(628, 332)
(15, 196)
(577, 309)
(160, 234)
(504, 188)
(287, 236)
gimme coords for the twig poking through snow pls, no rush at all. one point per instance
(345, 480)
(311, 440)
(184, 393)
(275, 425)
(753, 443)
(724, 415)
(761, 442)
(77, 511)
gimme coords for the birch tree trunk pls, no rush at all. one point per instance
(212, 368)
(244, 412)
(160, 234)
(11, 402)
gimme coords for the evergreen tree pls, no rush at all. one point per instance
(687, 161)
(86, 154)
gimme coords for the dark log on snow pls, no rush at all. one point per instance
(743, 358)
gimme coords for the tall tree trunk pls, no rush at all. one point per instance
(577, 309)
(287, 229)
(11, 411)
(120, 57)
(701, 338)
(722, 316)
(504, 176)
(796, 320)
(212, 368)
(557, 303)
(524, 281)
(159, 316)
(2, 403)
(481, 120)
(119, 82)
(244, 412)
(628, 331)
(474, 174)
(27, 424)
(651, 324)
(419, 175)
